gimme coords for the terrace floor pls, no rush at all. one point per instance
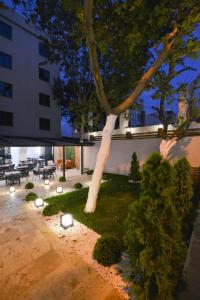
(34, 262)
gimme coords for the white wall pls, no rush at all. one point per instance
(21, 153)
(121, 152)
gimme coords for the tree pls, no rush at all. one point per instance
(156, 23)
(153, 235)
(183, 190)
(135, 168)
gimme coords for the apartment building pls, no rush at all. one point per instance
(27, 107)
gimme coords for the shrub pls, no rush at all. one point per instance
(135, 168)
(31, 197)
(153, 234)
(183, 190)
(89, 172)
(78, 185)
(107, 250)
(50, 210)
(29, 185)
(62, 179)
(106, 176)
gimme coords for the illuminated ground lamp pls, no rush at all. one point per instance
(12, 189)
(66, 221)
(46, 182)
(39, 202)
(59, 190)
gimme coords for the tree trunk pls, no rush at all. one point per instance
(102, 157)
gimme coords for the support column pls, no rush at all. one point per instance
(63, 161)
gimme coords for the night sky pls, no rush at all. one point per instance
(185, 77)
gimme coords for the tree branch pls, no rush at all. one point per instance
(91, 43)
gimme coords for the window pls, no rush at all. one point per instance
(5, 60)
(44, 74)
(43, 50)
(44, 124)
(6, 118)
(5, 30)
(44, 99)
(5, 89)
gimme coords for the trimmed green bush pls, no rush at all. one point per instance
(107, 250)
(106, 176)
(62, 179)
(31, 196)
(153, 235)
(135, 174)
(89, 172)
(50, 210)
(183, 190)
(29, 185)
(78, 186)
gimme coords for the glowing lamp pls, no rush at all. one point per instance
(59, 190)
(66, 221)
(46, 182)
(12, 189)
(39, 202)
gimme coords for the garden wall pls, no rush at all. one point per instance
(121, 152)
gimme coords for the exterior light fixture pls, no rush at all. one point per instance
(59, 190)
(39, 202)
(66, 221)
(12, 189)
(46, 182)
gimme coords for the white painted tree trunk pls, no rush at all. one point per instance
(102, 157)
(166, 146)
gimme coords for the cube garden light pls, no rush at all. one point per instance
(12, 189)
(59, 190)
(46, 182)
(39, 202)
(66, 221)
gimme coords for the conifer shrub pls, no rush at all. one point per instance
(62, 179)
(31, 196)
(183, 190)
(106, 176)
(29, 185)
(153, 235)
(107, 250)
(78, 185)
(135, 174)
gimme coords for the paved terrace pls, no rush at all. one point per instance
(34, 262)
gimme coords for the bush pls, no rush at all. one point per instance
(29, 185)
(107, 250)
(154, 235)
(89, 172)
(50, 210)
(135, 168)
(183, 190)
(31, 197)
(62, 179)
(78, 186)
(106, 176)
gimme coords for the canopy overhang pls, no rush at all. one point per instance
(23, 141)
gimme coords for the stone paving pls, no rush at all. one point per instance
(34, 262)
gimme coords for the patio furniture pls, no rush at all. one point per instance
(38, 172)
(25, 174)
(69, 164)
(12, 177)
(48, 173)
(59, 163)
(2, 176)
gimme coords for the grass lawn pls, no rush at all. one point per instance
(112, 208)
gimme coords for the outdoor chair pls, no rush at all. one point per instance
(13, 178)
(49, 173)
(25, 174)
(2, 177)
(37, 173)
(11, 167)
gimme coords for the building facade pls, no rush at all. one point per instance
(27, 107)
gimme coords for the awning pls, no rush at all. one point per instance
(21, 141)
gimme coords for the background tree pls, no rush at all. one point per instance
(153, 235)
(162, 24)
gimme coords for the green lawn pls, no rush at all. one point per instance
(112, 208)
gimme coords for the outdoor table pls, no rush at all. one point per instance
(4, 167)
(21, 167)
(12, 173)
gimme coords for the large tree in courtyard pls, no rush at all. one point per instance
(161, 24)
